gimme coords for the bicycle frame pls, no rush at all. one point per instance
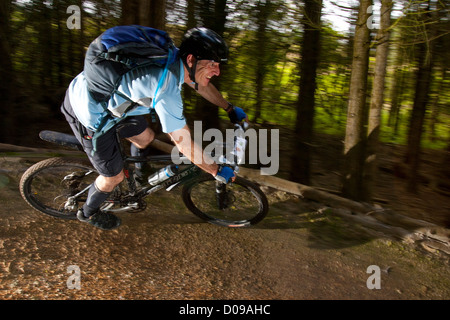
(186, 174)
(58, 186)
(180, 178)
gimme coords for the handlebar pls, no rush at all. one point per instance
(239, 147)
(245, 125)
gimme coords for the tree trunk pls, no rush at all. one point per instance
(58, 44)
(435, 105)
(418, 116)
(6, 70)
(152, 13)
(263, 11)
(377, 96)
(424, 77)
(149, 13)
(188, 92)
(81, 39)
(191, 20)
(130, 12)
(354, 145)
(300, 166)
(214, 16)
(395, 89)
(45, 56)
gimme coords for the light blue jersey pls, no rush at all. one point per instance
(138, 85)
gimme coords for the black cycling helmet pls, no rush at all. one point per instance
(203, 44)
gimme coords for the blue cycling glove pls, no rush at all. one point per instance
(236, 114)
(224, 174)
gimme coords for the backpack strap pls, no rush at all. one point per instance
(163, 78)
(133, 104)
(112, 56)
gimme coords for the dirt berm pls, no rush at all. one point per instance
(302, 250)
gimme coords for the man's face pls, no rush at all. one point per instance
(206, 69)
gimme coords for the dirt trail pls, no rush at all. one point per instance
(168, 253)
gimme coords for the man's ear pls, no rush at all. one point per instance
(190, 59)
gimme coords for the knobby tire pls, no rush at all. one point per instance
(43, 188)
(247, 205)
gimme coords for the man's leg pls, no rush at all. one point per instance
(143, 139)
(104, 185)
(108, 162)
(99, 192)
(139, 149)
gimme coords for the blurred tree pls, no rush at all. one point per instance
(58, 43)
(354, 144)
(263, 10)
(441, 88)
(7, 87)
(189, 97)
(191, 20)
(377, 97)
(150, 13)
(398, 80)
(261, 74)
(428, 23)
(130, 12)
(213, 15)
(270, 62)
(300, 168)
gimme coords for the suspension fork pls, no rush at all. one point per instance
(221, 195)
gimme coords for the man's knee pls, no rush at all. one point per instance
(143, 139)
(107, 184)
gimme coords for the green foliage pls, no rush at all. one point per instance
(39, 28)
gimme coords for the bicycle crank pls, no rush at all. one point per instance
(132, 205)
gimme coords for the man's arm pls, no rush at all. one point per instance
(213, 95)
(185, 144)
(194, 153)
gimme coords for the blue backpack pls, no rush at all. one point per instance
(121, 49)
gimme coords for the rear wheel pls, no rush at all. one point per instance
(237, 204)
(49, 186)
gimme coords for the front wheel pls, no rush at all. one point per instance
(57, 186)
(237, 204)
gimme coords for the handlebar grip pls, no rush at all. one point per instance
(244, 126)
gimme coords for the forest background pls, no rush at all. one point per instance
(383, 79)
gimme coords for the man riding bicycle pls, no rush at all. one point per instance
(200, 55)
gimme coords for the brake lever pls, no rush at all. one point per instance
(244, 126)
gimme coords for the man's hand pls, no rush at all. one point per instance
(225, 174)
(236, 114)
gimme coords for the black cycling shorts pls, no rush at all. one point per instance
(106, 158)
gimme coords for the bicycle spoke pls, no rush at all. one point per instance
(233, 205)
(57, 187)
(44, 187)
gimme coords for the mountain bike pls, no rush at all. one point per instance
(58, 186)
